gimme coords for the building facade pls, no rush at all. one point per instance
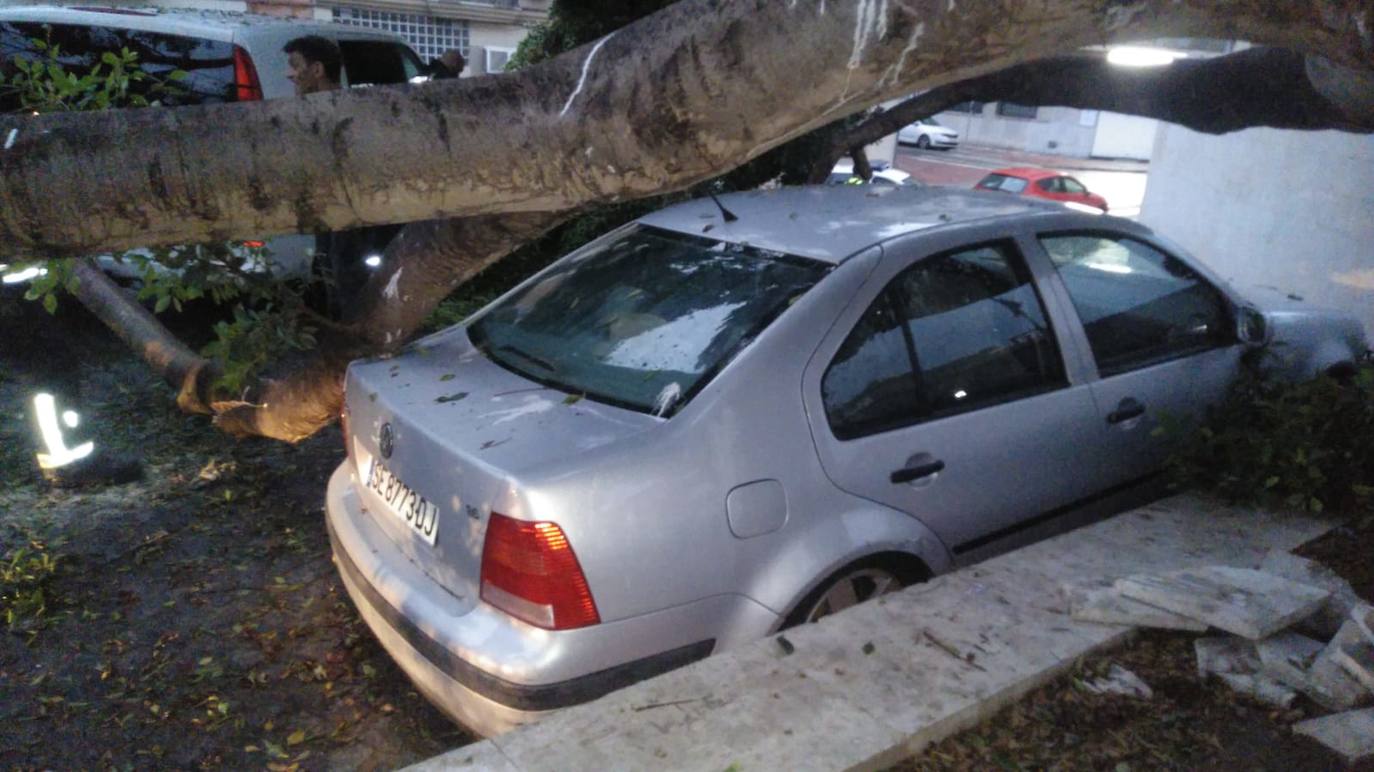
(485, 31)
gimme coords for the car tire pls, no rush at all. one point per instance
(923, 142)
(853, 584)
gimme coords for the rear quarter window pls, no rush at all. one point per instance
(375, 62)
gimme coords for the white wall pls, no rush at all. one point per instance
(1288, 209)
(1056, 130)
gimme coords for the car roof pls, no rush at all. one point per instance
(1026, 172)
(215, 25)
(833, 222)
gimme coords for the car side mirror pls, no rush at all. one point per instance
(1251, 326)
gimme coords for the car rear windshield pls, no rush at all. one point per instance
(1002, 182)
(642, 319)
(208, 64)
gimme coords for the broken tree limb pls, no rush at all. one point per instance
(183, 369)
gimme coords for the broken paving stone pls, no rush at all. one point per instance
(1358, 660)
(1329, 618)
(1105, 605)
(1225, 655)
(1238, 600)
(1261, 687)
(1119, 680)
(1351, 734)
(1364, 619)
(1287, 656)
(1327, 680)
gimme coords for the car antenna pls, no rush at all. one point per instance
(729, 215)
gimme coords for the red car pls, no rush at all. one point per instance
(1042, 183)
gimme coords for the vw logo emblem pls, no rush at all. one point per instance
(386, 441)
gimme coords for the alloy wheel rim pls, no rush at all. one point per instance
(852, 589)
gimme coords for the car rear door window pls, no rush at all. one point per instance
(208, 64)
(870, 386)
(979, 330)
(1137, 304)
(1072, 185)
(953, 333)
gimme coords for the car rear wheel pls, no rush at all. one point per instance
(851, 586)
(923, 142)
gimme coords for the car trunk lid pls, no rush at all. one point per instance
(467, 435)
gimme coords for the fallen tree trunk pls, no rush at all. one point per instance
(668, 101)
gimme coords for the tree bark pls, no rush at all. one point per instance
(671, 100)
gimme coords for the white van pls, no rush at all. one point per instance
(228, 57)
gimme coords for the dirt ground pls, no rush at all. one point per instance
(193, 618)
(1189, 723)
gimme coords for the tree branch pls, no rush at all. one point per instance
(183, 369)
(1253, 87)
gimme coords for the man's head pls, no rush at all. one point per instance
(453, 59)
(312, 64)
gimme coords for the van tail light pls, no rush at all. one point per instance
(255, 244)
(530, 572)
(247, 88)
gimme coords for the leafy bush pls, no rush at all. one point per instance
(1301, 445)
(26, 574)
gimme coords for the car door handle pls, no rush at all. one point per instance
(917, 472)
(1125, 411)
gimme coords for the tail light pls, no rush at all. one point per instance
(246, 85)
(255, 244)
(530, 572)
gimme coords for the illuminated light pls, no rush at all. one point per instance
(255, 244)
(1139, 56)
(1109, 267)
(32, 272)
(58, 453)
(960, 394)
(372, 261)
(1077, 207)
(70, 418)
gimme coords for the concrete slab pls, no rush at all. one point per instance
(1225, 654)
(1350, 734)
(878, 682)
(1260, 687)
(1288, 656)
(1105, 605)
(1238, 600)
(1328, 619)
(1327, 680)
(1358, 661)
(1364, 619)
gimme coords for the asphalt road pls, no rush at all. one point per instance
(1122, 183)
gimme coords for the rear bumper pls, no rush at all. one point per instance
(478, 665)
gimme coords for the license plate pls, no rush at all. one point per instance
(421, 514)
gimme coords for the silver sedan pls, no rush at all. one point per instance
(702, 428)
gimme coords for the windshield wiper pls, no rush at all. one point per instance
(544, 363)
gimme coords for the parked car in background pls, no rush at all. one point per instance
(1042, 183)
(695, 431)
(883, 174)
(228, 57)
(928, 133)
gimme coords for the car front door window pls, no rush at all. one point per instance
(1137, 304)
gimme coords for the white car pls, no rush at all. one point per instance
(228, 57)
(927, 133)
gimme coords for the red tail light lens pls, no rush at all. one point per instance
(255, 244)
(530, 572)
(246, 85)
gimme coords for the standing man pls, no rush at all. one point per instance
(313, 65)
